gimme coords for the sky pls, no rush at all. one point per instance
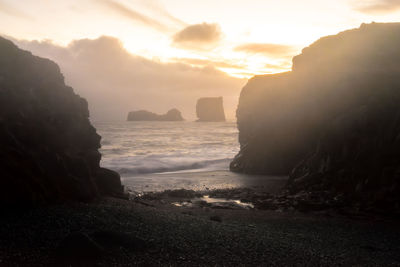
(215, 44)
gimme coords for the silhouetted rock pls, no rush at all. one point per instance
(143, 115)
(48, 149)
(268, 123)
(210, 109)
(109, 182)
(333, 123)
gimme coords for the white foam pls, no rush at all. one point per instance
(152, 147)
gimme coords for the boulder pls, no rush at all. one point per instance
(333, 122)
(210, 109)
(48, 149)
(143, 115)
(109, 182)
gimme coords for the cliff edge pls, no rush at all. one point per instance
(48, 149)
(333, 122)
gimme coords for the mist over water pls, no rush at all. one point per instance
(140, 148)
(157, 156)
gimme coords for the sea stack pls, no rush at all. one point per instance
(144, 115)
(49, 149)
(210, 109)
(333, 123)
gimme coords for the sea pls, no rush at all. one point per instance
(156, 156)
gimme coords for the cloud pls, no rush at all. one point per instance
(206, 62)
(157, 7)
(377, 6)
(271, 50)
(12, 11)
(281, 65)
(134, 15)
(116, 82)
(198, 36)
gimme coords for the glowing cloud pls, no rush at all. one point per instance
(115, 81)
(271, 50)
(198, 36)
(207, 62)
(12, 11)
(377, 6)
(158, 8)
(133, 14)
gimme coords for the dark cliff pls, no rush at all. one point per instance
(210, 109)
(48, 148)
(143, 115)
(333, 122)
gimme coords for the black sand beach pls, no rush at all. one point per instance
(156, 233)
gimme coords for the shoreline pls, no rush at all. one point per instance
(202, 180)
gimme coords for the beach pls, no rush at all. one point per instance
(155, 233)
(194, 214)
(192, 211)
(203, 181)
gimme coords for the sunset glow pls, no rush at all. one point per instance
(147, 28)
(199, 132)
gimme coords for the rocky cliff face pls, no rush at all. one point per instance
(48, 148)
(333, 122)
(143, 115)
(210, 109)
(273, 136)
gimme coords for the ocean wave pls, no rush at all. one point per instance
(135, 149)
(218, 164)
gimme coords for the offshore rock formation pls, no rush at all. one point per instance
(210, 109)
(143, 115)
(48, 148)
(333, 123)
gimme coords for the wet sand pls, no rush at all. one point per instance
(203, 180)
